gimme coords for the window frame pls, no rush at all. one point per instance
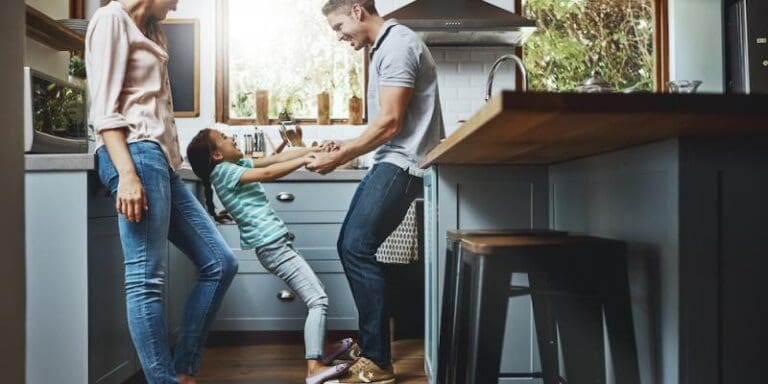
(660, 46)
(222, 76)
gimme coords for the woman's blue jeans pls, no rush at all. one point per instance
(379, 205)
(174, 214)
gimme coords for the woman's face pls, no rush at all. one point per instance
(160, 8)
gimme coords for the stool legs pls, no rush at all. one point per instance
(448, 321)
(488, 308)
(580, 321)
(618, 319)
(546, 327)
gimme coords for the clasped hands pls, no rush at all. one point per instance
(329, 155)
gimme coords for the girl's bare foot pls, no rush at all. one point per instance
(314, 366)
(185, 379)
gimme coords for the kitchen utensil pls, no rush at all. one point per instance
(595, 84)
(284, 134)
(684, 86)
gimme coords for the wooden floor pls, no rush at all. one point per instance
(278, 362)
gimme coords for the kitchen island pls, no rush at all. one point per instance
(680, 178)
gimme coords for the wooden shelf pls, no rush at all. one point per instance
(51, 33)
(545, 128)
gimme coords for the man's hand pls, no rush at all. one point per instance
(327, 162)
(330, 146)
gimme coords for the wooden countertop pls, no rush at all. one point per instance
(546, 128)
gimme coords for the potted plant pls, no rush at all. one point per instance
(77, 72)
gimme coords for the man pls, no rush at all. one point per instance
(405, 122)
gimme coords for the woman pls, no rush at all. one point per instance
(137, 156)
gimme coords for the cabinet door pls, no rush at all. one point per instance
(252, 303)
(111, 353)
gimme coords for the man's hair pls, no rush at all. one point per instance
(334, 5)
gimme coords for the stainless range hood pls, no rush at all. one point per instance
(464, 23)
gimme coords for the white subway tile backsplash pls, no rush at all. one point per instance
(456, 55)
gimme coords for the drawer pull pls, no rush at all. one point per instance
(285, 295)
(285, 197)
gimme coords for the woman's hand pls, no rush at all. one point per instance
(131, 199)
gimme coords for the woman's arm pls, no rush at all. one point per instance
(277, 170)
(131, 200)
(284, 156)
(107, 50)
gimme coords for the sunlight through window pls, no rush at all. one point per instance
(288, 49)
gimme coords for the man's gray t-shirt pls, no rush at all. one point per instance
(399, 58)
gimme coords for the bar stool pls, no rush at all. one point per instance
(573, 279)
(446, 356)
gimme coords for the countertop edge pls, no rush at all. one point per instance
(59, 162)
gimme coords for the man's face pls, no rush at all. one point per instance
(348, 26)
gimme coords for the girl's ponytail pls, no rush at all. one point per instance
(199, 155)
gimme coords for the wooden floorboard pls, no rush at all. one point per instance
(274, 362)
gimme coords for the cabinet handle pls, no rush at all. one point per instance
(285, 197)
(285, 295)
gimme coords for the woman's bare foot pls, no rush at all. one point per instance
(185, 379)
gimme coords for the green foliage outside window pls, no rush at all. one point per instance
(576, 37)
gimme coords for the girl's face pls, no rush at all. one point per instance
(160, 8)
(226, 148)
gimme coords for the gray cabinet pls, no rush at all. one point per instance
(111, 355)
(483, 197)
(313, 212)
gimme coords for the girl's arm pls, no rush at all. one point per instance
(284, 156)
(277, 170)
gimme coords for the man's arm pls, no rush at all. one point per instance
(393, 102)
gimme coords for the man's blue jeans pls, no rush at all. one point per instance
(174, 214)
(379, 205)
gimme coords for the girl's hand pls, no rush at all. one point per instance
(330, 146)
(131, 199)
(308, 158)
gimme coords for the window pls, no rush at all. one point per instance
(287, 49)
(625, 40)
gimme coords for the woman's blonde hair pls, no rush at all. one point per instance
(155, 32)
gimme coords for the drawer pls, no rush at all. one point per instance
(314, 241)
(310, 196)
(251, 303)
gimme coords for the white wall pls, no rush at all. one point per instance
(696, 43)
(12, 282)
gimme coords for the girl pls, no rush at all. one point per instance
(137, 157)
(218, 162)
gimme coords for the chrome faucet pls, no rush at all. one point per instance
(520, 65)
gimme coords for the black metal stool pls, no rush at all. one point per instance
(572, 281)
(446, 365)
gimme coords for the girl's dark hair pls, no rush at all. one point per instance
(199, 154)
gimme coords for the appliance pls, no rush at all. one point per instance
(55, 115)
(747, 49)
(464, 23)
